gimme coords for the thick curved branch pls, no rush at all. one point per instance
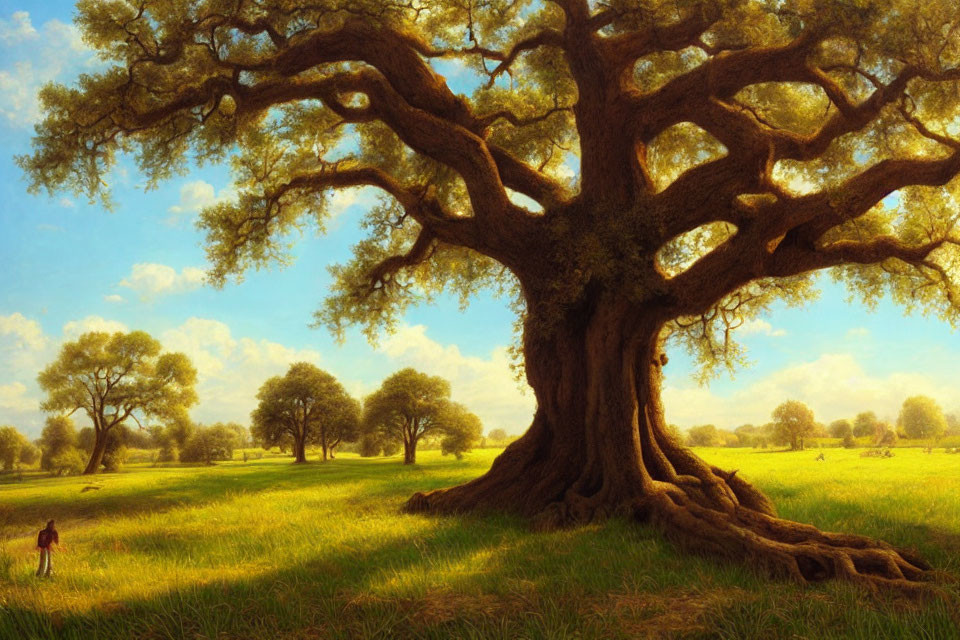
(382, 275)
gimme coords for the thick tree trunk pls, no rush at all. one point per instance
(96, 458)
(598, 447)
(409, 452)
(300, 451)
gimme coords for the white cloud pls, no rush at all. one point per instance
(150, 279)
(858, 332)
(760, 326)
(17, 29)
(14, 397)
(27, 333)
(230, 370)
(75, 328)
(32, 57)
(486, 385)
(52, 228)
(198, 195)
(67, 203)
(116, 299)
(834, 386)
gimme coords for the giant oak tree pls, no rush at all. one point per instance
(635, 171)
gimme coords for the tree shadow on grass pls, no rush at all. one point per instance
(487, 577)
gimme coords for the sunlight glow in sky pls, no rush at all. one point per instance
(69, 266)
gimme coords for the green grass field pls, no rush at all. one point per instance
(265, 549)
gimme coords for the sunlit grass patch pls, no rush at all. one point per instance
(267, 549)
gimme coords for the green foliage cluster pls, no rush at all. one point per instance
(410, 406)
(16, 451)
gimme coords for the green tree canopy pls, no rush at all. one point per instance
(705, 435)
(116, 378)
(723, 152)
(921, 417)
(865, 424)
(13, 444)
(461, 430)
(840, 428)
(307, 405)
(410, 405)
(793, 421)
(59, 435)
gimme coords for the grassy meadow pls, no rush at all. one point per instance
(265, 549)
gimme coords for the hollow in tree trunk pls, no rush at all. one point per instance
(598, 447)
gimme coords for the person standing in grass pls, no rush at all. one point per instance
(45, 538)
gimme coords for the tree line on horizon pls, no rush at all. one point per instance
(122, 381)
(793, 423)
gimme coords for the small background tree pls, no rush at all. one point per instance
(411, 405)
(793, 421)
(58, 437)
(705, 435)
(921, 418)
(113, 378)
(865, 424)
(841, 428)
(461, 430)
(308, 406)
(209, 444)
(13, 444)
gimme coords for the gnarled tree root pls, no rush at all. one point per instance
(784, 548)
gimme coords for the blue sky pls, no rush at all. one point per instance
(69, 266)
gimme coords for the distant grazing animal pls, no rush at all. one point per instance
(821, 457)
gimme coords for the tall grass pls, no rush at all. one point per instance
(266, 549)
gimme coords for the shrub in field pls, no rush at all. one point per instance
(58, 435)
(888, 437)
(705, 435)
(848, 441)
(67, 461)
(208, 444)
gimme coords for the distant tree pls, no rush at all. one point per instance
(865, 424)
(113, 378)
(703, 436)
(953, 424)
(29, 455)
(886, 435)
(793, 421)
(497, 435)
(68, 461)
(241, 433)
(848, 441)
(728, 438)
(461, 430)
(208, 444)
(840, 428)
(921, 418)
(307, 405)
(408, 406)
(12, 447)
(180, 428)
(59, 435)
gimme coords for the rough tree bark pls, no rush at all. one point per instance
(598, 447)
(299, 450)
(597, 444)
(99, 448)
